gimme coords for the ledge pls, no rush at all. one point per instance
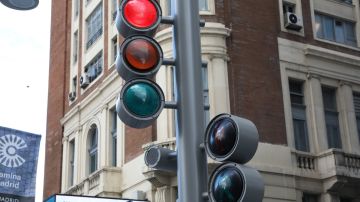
(332, 55)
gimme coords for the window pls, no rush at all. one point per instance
(76, 8)
(347, 1)
(72, 94)
(288, 7)
(113, 137)
(168, 8)
(114, 9)
(298, 110)
(336, 30)
(343, 199)
(94, 26)
(94, 68)
(71, 162)
(357, 110)
(93, 151)
(75, 47)
(74, 82)
(310, 197)
(203, 6)
(206, 93)
(114, 48)
(331, 117)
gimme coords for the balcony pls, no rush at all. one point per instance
(105, 181)
(337, 169)
(157, 177)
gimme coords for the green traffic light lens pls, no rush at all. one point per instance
(222, 137)
(142, 99)
(228, 185)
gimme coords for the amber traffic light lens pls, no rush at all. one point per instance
(141, 13)
(141, 55)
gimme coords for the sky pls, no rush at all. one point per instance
(24, 65)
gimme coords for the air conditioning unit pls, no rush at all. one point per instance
(72, 96)
(84, 81)
(292, 21)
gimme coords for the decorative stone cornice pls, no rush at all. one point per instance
(311, 75)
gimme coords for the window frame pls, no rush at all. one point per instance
(331, 118)
(310, 197)
(356, 100)
(298, 113)
(346, 23)
(91, 23)
(96, 65)
(113, 136)
(71, 162)
(113, 10)
(75, 46)
(210, 4)
(93, 148)
(296, 4)
(114, 49)
(76, 9)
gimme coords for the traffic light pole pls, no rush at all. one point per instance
(191, 159)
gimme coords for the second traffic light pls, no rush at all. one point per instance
(141, 100)
(234, 140)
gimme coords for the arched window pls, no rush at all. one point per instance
(93, 149)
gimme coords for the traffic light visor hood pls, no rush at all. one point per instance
(231, 138)
(139, 56)
(233, 182)
(138, 17)
(141, 14)
(140, 103)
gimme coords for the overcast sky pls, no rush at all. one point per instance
(24, 64)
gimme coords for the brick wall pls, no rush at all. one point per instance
(254, 72)
(135, 138)
(59, 57)
(309, 36)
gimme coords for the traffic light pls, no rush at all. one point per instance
(138, 60)
(233, 140)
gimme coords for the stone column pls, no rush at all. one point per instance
(218, 85)
(317, 123)
(165, 194)
(329, 198)
(65, 164)
(348, 119)
(104, 138)
(165, 123)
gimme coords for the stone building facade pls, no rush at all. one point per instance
(300, 85)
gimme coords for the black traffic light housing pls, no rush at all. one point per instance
(138, 60)
(233, 140)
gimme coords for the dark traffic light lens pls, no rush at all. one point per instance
(222, 137)
(142, 99)
(227, 185)
(141, 13)
(141, 55)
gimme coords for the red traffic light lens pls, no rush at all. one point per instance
(141, 13)
(141, 55)
(222, 137)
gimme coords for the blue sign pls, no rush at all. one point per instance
(19, 153)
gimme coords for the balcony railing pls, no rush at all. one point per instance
(106, 179)
(169, 144)
(333, 162)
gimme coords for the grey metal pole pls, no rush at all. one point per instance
(191, 159)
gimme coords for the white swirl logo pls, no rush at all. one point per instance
(9, 146)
